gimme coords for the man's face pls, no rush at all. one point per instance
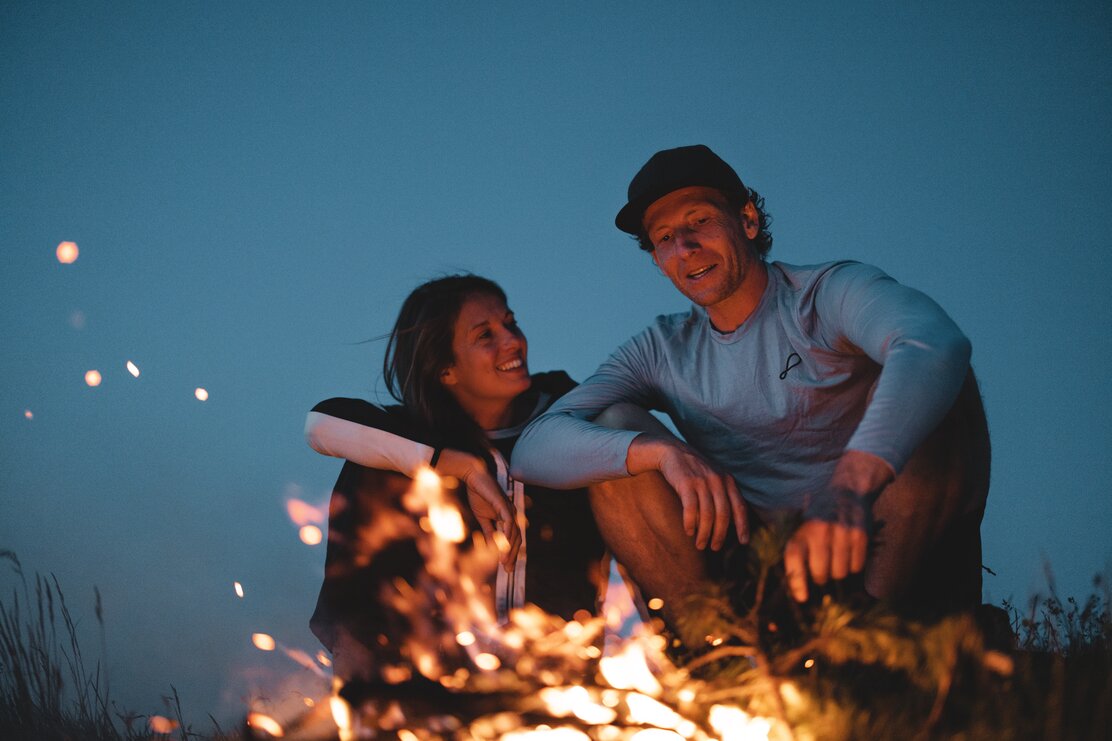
(703, 249)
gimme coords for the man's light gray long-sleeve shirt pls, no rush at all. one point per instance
(777, 401)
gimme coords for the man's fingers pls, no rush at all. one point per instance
(690, 503)
(859, 546)
(737, 507)
(818, 550)
(706, 517)
(840, 552)
(721, 516)
(794, 570)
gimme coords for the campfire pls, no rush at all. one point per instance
(468, 676)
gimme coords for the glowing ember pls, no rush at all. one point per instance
(263, 642)
(266, 724)
(656, 603)
(309, 702)
(487, 662)
(302, 513)
(201, 394)
(27, 414)
(322, 657)
(92, 377)
(466, 638)
(159, 724)
(310, 535)
(808, 663)
(133, 369)
(66, 252)
(239, 589)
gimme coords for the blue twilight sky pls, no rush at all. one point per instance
(254, 187)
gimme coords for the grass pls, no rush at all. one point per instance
(47, 689)
(844, 674)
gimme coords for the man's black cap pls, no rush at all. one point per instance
(672, 169)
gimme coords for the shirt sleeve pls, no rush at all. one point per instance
(365, 434)
(923, 354)
(563, 448)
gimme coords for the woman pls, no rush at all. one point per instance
(458, 363)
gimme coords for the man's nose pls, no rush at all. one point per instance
(686, 239)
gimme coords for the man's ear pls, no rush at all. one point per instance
(750, 220)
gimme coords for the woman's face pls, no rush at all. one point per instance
(491, 359)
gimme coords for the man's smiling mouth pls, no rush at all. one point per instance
(696, 274)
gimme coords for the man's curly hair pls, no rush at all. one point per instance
(735, 201)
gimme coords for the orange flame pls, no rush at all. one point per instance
(265, 724)
(629, 670)
(67, 252)
(133, 369)
(92, 377)
(341, 714)
(201, 394)
(734, 724)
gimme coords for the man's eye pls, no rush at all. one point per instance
(664, 238)
(702, 219)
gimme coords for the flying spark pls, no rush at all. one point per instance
(201, 394)
(263, 642)
(239, 589)
(27, 414)
(66, 252)
(92, 377)
(310, 535)
(161, 724)
(266, 724)
(133, 369)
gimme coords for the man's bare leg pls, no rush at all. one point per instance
(926, 557)
(641, 521)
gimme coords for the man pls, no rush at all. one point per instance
(830, 392)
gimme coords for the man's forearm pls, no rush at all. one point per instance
(561, 451)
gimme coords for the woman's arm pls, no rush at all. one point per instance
(378, 438)
(365, 434)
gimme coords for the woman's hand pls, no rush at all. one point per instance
(487, 501)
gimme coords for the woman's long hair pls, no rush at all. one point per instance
(420, 349)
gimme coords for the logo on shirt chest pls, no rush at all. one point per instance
(792, 361)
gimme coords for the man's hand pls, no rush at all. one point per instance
(709, 497)
(487, 501)
(832, 543)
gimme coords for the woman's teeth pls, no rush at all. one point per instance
(510, 365)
